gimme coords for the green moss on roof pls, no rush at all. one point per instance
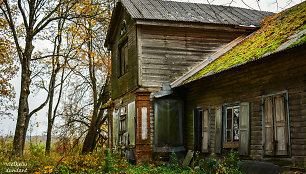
(299, 42)
(275, 31)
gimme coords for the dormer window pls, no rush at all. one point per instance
(123, 28)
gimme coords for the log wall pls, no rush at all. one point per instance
(285, 70)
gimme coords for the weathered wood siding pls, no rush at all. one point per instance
(248, 83)
(128, 81)
(169, 52)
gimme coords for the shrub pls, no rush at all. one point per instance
(37, 149)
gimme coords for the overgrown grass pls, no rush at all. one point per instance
(103, 161)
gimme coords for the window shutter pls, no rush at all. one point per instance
(205, 131)
(268, 126)
(218, 137)
(197, 129)
(131, 122)
(116, 126)
(281, 128)
(244, 128)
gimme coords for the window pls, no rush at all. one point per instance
(232, 124)
(123, 28)
(275, 125)
(123, 50)
(123, 59)
(202, 130)
(233, 127)
(122, 126)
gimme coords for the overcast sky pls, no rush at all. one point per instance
(7, 125)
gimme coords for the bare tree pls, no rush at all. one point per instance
(36, 15)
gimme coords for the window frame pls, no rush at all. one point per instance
(123, 61)
(122, 119)
(232, 124)
(285, 92)
(229, 144)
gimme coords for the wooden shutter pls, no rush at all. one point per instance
(131, 123)
(244, 128)
(197, 129)
(116, 126)
(218, 136)
(281, 125)
(268, 126)
(205, 131)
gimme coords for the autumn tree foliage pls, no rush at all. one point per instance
(26, 20)
(89, 82)
(8, 68)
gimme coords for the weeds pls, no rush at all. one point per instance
(104, 161)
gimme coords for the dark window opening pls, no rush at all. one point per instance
(123, 59)
(202, 130)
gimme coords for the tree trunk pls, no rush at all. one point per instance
(23, 110)
(48, 141)
(50, 122)
(93, 131)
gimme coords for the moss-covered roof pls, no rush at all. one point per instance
(275, 31)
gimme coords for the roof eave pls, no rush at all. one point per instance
(265, 56)
(110, 30)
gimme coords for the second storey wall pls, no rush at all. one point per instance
(128, 81)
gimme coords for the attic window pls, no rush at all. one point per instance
(123, 28)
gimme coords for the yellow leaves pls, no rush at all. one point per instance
(8, 68)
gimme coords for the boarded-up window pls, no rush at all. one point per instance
(168, 122)
(275, 123)
(201, 130)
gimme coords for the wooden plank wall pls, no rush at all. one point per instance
(169, 52)
(128, 81)
(247, 83)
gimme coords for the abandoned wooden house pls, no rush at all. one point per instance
(251, 98)
(158, 107)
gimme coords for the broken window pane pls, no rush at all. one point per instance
(232, 124)
(236, 124)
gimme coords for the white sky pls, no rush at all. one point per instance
(7, 126)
